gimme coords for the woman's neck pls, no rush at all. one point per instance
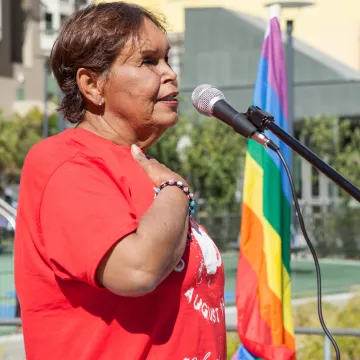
(98, 125)
(122, 134)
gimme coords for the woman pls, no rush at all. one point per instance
(106, 266)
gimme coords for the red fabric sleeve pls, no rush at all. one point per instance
(85, 210)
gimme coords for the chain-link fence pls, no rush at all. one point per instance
(223, 229)
(334, 230)
(7, 288)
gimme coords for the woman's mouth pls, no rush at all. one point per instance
(169, 100)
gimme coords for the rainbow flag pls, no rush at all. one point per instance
(263, 294)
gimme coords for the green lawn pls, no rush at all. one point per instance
(337, 276)
(6, 284)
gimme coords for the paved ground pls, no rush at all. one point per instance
(337, 277)
(12, 348)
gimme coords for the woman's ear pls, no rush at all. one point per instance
(90, 86)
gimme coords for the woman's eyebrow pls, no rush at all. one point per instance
(153, 50)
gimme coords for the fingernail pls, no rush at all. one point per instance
(135, 150)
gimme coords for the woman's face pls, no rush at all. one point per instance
(141, 87)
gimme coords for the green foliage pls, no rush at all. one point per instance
(348, 316)
(344, 229)
(311, 347)
(165, 149)
(214, 162)
(209, 155)
(336, 141)
(17, 135)
(232, 344)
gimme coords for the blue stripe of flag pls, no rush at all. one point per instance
(266, 98)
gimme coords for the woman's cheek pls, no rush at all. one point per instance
(151, 81)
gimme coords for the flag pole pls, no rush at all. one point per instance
(263, 290)
(290, 73)
(289, 58)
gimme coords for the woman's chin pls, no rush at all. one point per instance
(169, 120)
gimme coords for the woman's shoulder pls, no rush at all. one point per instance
(78, 152)
(70, 144)
(48, 150)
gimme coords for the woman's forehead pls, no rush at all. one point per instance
(152, 38)
(136, 47)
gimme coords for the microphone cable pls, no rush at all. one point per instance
(210, 101)
(312, 250)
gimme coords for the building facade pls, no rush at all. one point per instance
(28, 31)
(330, 26)
(21, 63)
(225, 53)
(210, 44)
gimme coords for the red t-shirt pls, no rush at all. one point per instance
(79, 195)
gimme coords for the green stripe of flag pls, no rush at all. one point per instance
(275, 205)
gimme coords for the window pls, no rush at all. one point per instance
(20, 94)
(48, 22)
(63, 18)
(79, 4)
(176, 55)
(297, 160)
(315, 182)
(0, 19)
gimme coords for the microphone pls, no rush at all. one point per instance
(210, 101)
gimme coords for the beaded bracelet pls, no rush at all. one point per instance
(184, 188)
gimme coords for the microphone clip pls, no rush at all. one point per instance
(258, 117)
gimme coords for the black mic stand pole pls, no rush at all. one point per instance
(264, 121)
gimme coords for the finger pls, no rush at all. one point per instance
(154, 161)
(139, 156)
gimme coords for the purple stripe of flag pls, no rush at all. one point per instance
(272, 52)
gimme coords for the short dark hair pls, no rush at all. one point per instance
(93, 38)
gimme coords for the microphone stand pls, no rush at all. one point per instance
(264, 121)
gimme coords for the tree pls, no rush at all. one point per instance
(209, 155)
(17, 135)
(165, 149)
(345, 316)
(309, 347)
(214, 162)
(338, 143)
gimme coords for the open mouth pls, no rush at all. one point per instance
(170, 99)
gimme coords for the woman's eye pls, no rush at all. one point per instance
(167, 59)
(149, 61)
